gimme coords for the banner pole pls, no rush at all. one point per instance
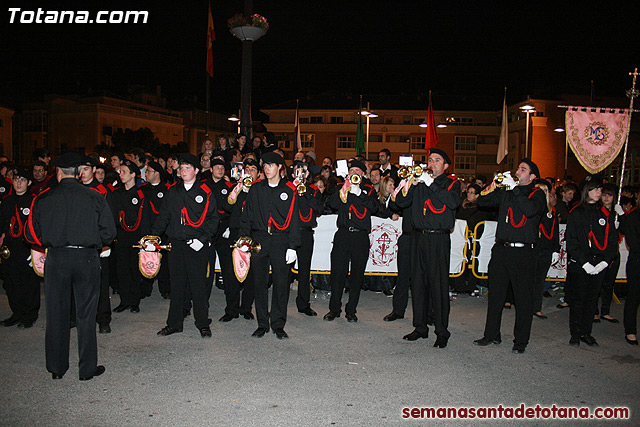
(631, 94)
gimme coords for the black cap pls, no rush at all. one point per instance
(353, 163)
(23, 172)
(190, 159)
(70, 159)
(272, 157)
(158, 168)
(89, 161)
(592, 181)
(216, 161)
(133, 168)
(532, 166)
(298, 163)
(249, 161)
(442, 153)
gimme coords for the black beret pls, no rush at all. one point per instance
(216, 161)
(593, 181)
(353, 163)
(272, 157)
(189, 159)
(442, 153)
(158, 168)
(133, 168)
(70, 159)
(251, 162)
(532, 166)
(89, 161)
(23, 172)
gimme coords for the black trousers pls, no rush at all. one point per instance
(632, 300)
(223, 249)
(585, 289)
(305, 253)
(543, 262)
(164, 283)
(273, 253)
(104, 302)
(21, 283)
(129, 277)
(67, 269)
(401, 292)
(354, 247)
(188, 268)
(606, 293)
(239, 296)
(513, 266)
(430, 281)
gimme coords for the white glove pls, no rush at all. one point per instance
(291, 256)
(601, 266)
(245, 189)
(426, 178)
(555, 258)
(618, 209)
(30, 263)
(355, 190)
(244, 248)
(590, 269)
(105, 253)
(508, 180)
(195, 244)
(226, 233)
(616, 224)
(149, 247)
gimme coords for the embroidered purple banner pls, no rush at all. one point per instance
(596, 137)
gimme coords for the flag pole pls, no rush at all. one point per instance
(631, 94)
(208, 103)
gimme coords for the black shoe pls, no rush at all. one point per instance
(517, 349)
(351, 317)
(205, 332)
(166, 295)
(186, 313)
(331, 315)
(596, 320)
(392, 316)
(483, 342)
(104, 329)
(540, 316)
(415, 335)
(99, 371)
(574, 342)
(308, 311)
(612, 320)
(11, 321)
(26, 324)
(228, 317)
(248, 316)
(280, 333)
(589, 340)
(168, 330)
(121, 308)
(135, 309)
(631, 342)
(387, 292)
(561, 306)
(441, 342)
(56, 376)
(259, 333)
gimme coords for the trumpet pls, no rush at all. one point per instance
(247, 182)
(152, 239)
(254, 247)
(415, 171)
(5, 253)
(302, 189)
(355, 179)
(498, 179)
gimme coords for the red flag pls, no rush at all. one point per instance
(431, 138)
(211, 36)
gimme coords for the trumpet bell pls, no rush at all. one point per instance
(355, 179)
(302, 189)
(5, 253)
(247, 182)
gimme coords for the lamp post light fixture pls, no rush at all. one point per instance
(528, 109)
(369, 115)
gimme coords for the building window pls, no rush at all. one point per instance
(304, 119)
(375, 138)
(417, 142)
(316, 119)
(484, 139)
(336, 120)
(465, 143)
(465, 163)
(307, 140)
(397, 138)
(346, 142)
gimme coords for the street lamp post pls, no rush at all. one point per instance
(369, 115)
(528, 109)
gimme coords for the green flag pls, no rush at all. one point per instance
(359, 136)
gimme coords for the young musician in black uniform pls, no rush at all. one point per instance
(74, 223)
(20, 281)
(355, 203)
(630, 228)
(310, 207)
(270, 218)
(434, 199)
(190, 219)
(133, 218)
(592, 244)
(513, 253)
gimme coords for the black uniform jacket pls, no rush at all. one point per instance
(519, 212)
(155, 195)
(433, 207)
(221, 190)
(70, 214)
(14, 213)
(132, 213)
(548, 232)
(235, 209)
(310, 206)
(630, 228)
(591, 235)
(272, 209)
(357, 210)
(187, 215)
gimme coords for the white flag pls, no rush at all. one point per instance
(503, 143)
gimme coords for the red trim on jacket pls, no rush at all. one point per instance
(522, 222)
(184, 215)
(432, 208)
(553, 226)
(356, 213)
(13, 223)
(135, 226)
(36, 241)
(290, 213)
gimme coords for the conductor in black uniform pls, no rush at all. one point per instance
(513, 255)
(74, 223)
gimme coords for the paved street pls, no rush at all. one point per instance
(327, 373)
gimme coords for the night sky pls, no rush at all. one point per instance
(375, 47)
